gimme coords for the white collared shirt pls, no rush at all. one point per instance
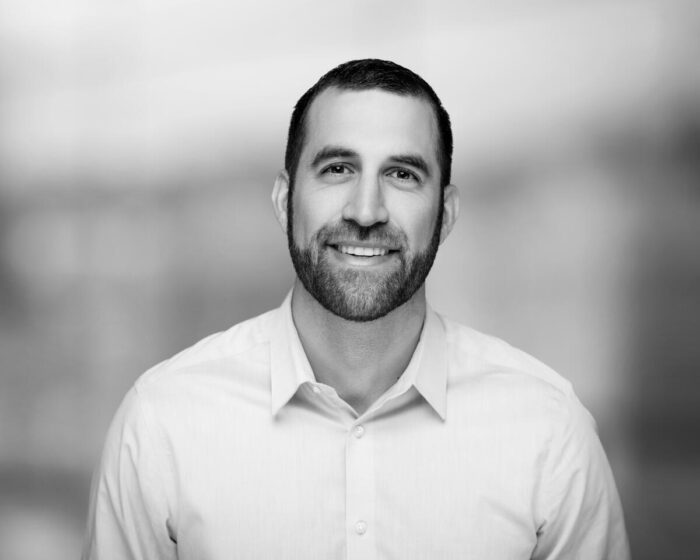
(232, 450)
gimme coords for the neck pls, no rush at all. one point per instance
(359, 360)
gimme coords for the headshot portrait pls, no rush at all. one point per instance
(354, 421)
(373, 281)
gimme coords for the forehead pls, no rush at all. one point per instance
(371, 121)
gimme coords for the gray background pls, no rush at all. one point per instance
(138, 145)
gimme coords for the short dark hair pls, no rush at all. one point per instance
(370, 73)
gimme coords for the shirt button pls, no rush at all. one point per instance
(360, 527)
(359, 431)
(316, 389)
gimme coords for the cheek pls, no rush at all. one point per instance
(424, 230)
(417, 219)
(309, 215)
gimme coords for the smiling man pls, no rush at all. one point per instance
(355, 422)
(364, 215)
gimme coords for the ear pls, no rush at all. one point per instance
(280, 193)
(451, 210)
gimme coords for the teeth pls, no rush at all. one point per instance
(362, 251)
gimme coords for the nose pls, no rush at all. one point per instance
(366, 205)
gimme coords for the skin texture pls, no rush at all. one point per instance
(368, 176)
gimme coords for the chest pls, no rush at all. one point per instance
(403, 486)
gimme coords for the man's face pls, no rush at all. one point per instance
(364, 221)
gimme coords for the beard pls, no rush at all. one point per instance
(355, 294)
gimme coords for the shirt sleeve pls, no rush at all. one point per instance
(129, 514)
(583, 517)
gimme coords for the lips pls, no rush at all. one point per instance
(362, 251)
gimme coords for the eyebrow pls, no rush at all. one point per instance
(414, 161)
(330, 152)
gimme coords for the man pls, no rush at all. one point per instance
(354, 422)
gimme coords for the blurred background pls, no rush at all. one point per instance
(138, 145)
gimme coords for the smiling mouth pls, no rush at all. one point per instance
(362, 251)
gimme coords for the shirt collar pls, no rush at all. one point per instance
(430, 359)
(290, 368)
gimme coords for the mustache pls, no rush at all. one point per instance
(381, 234)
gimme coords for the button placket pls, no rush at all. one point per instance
(360, 494)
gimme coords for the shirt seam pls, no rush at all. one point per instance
(165, 368)
(150, 421)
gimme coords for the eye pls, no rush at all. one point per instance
(336, 169)
(404, 175)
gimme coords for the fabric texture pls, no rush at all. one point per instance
(232, 450)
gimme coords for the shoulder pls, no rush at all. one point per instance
(485, 365)
(473, 353)
(236, 354)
